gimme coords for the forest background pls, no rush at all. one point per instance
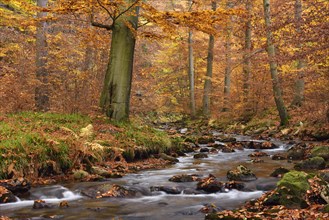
(73, 56)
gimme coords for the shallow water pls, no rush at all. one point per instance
(152, 205)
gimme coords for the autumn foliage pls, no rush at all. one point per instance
(78, 55)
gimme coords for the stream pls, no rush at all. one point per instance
(154, 205)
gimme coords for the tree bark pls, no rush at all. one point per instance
(299, 84)
(41, 90)
(273, 66)
(247, 57)
(191, 69)
(207, 83)
(115, 96)
(228, 59)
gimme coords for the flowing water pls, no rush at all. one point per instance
(153, 205)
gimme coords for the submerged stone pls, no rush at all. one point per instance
(322, 151)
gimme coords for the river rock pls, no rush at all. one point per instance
(297, 152)
(209, 208)
(279, 172)
(321, 151)
(188, 147)
(200, 155)
(279, 156)
(184, 178)
(167, 189)
(227, 149)
(6, 195)
(290, 191)
(234, 185)
(168, 158)
(16, 186)
(80, 174)
(226, 139)
(210, 185)
(40, 204)
(261, 145)
(204, 150)
(241, 173)
(314, 163)
(236, 145)
(206, 140)
(213, 151)
(101, 172)
(258, 154)
(217, 145)
(108, 190)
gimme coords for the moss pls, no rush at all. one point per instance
(321, 151)
(314, 163)
(291, 190)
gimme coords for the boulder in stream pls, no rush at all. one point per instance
(6, 195)
(297, 152)
(279, 156)
(206, 140)
(210, 185)
(314, 163)
(168, 158)
(261, 145)
(278, 172)
(241, 173)
(234, 185)
(183, 178)
(227, 149)
(16, 186)
(200, 155)
(204, 150)
(108, 190)
(291, 191)
(40, 204)
(321, 151)
(258, 154)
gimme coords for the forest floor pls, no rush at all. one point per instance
(49, 148)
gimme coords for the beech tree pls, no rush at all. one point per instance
(274, 66)
(42, 89)
(210, 59)
(115, 95)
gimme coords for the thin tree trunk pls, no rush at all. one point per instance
(273, 66)
(247, 57)
(115, 96)
(299, 84)
(207, 83)
(191, 69)
(228, 58)
(41, 90)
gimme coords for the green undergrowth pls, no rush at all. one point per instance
(140, 140)
(42, 144)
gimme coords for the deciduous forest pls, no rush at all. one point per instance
(157, 109)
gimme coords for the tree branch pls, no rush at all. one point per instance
(127, 9)
(96, 24)
(108, 12)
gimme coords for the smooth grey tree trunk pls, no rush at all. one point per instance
(42, 89)
(191, 69)
(299, 84)
(208, 83)
(273, 66)
(228, 59)
(247, 56)
(115, 96)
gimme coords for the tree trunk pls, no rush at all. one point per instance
(299, 84)
(246, 57)
(41, 90)
(273, 66)
(228, 58)
(115, 96)
(207, 83)
(191, 69)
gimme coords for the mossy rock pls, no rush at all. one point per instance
(80, 174)
(279, 172)
(290, 191)
(296, 152)
(314, 163)
(322, 151)
(241, 173)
